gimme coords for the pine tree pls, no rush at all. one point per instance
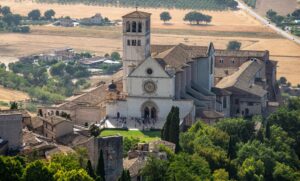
(90, 169)
(100, 167)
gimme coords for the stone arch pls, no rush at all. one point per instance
(140, 27)
(133, 26)
(128, 26)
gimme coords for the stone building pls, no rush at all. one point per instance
(228, 62)
(112, 148)
(248, 89)
(11, 128)
(56, 126)
(157, 77)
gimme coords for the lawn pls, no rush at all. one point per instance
(144, 136)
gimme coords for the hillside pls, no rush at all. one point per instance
(283, 7)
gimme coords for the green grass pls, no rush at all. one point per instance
(144, 136)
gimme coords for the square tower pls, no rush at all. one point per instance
(136, 39)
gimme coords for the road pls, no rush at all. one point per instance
(267, 23)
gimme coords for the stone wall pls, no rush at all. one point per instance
(11, 130)
(112, 148)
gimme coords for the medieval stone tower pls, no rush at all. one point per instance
(136, 40)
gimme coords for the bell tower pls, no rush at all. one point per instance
(136, 40)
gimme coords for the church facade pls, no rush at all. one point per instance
(157, 77)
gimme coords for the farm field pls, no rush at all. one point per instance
(225, 26)
(8, 95)
(144, 136)
(283, 7)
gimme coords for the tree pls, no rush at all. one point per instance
(234, 45)
(165, 16)
(170, 131)
(251, 170)
(100, 171)
(283, 172)
(49, 14)
(115, 56)
(94, 130)
(189, 168)
(36, 171)
(296, 14)
(220, 175)
(14, 105)
(5, 10)
(125, 176)
(73, 175)
(271, 14)
(68, 162)
(197, 17)
(34, 14)
(166, 127)
(155, 169)
(233, 4)
(58, 69)
(12, 19)
(282, 80)
(11, 168)
(268, 131)
(90, 170)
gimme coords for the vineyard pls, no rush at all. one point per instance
(180, 4)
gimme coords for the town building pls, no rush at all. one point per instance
(56, 126)
(248, 96)
(11, 128)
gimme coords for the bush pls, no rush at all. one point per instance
(234, 45)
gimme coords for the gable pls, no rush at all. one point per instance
(149, 63)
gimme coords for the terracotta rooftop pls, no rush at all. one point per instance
(54, 120)
(137, 14)
(240, 53)
(242, 79)
(179, 55)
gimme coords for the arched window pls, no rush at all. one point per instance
(127, 26)
(133, 26)
(140, 27)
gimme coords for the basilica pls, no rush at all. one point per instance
(157, 77)
(203, 82)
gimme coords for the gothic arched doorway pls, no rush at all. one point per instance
(153, 113)
(146, 112)
(149, 110)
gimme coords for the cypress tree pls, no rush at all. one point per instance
(128, 175)
(90, 170)
(174, 129)
(100, 167)
(166, 127)
(231, 150)
(268, 131)
(125, 176)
